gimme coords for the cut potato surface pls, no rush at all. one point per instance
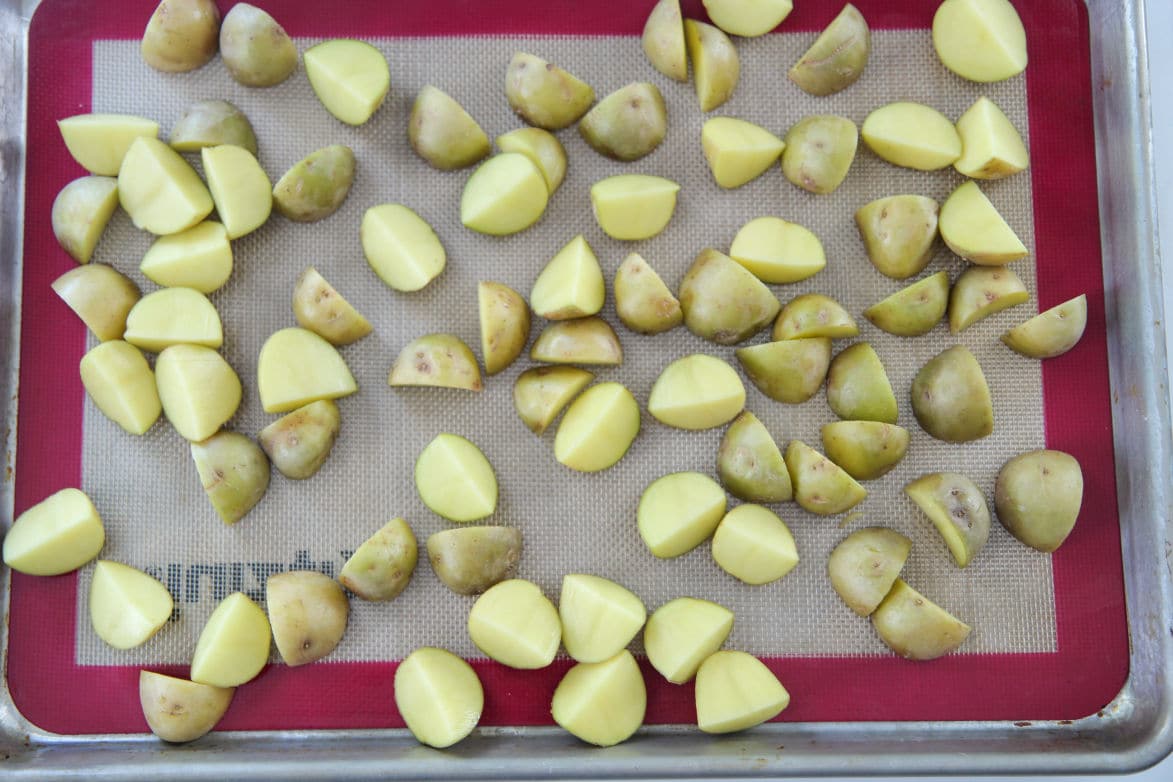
(234, 644)
(736, 691)
(540, 146)
(297, 367)
(60, 533)
(234, 473)
(697, 392)
(578, 341)
(777, 251)
(120, 382)
(748, 18)
(678, 512)
(982, 291)
(199, 390)
(441, 360)
(505, 324)
(865, 564)
(790, 371)
(683, 633)
(663, 40)
(540, 393)
(101, 296)
(738, 151)
(381, 568)
(173, 316)
(915, 310)
(599, 617)
(455, 479)
(753, 545)
(958, 510)
(178, 710)
(350, 77)
(602, 703)
(598, 428)
(1051, 333)
(991, 146)
(980, 40)
(514, 624)
(80, 214)
(813, 315)
(469, 560)
(99, 142)
(308, 612)
(716, 68)
(240, 188)
(127, 606)
(159, 190)
(505, 195)
(633, 206)
(915, 627)
(820, 485)
(838, 56)
(571, 284)
(750, 464)
(912, 135)
(443, 133)
(627, 124)
(543, 94)
(973, 228)
(321, 309)
(401, 247)
(439, 696)
(199, 258)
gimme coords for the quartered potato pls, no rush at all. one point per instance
(99, 142)
(540, 393)
(912, 135)
(819, 151)
(663, 40)
(599, 617)
(234, 473)
(80, 214)
(682, 634)
(178, 710)
(915, 627)
(716, 67)
(790, 371)
(865, 449)
(980, 40)
(101, 296)
(627, 124)
(255, 48)
(199, 258)
(181, 35)
(820, 486)
(915, 310)
(543, 94)
(381, 568)
(951, 399)
(436, 360)
(602, 703)
(321, 309)
(505, 195)
(858, 387)
(982, 291)
(723, 301)
(308, 612)
(579, 341)
(455, 480)
(837, 57)
(159, 190)
(633, 206)
(777, 251)
(642, 301)
(972, 227)
(813, 315)
(571, 285)
(958, 510)
(234, 644)
(898, 233)
(173, 316)
(439, 696)
(296, 367)
(121, 384)
(210, 123)
(240, 188)
(598, 428)
(401, 247)
(316, 185)
(350, 78)
(540, 146)
(696, 392)
(748, 18)
(753, 545)
(749, 463)
(991, 147)
(60, 533)
(299, 443)
(516, 625)
(1038, 496)
(469, 560)
(443, 133)
(678, 512)
(1048, 334)
(505, 322)
(127, 606)
(738, 151)
(865, 564)
(736, 691)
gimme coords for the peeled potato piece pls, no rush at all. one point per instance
(753, 545)
(678, 512)
(819, 152)
(915, 627)
(663, 40)
(865, 564)
(738, 151)
(1038, 496)
(599, 617)
(455, 480)
(820, 485)
(716, 67)
(469, 560)
(570, 285)
(443, 133)
(198, 389)
(749, 463)
(696, 392)
(159, 190)
(308, 612)
(951, 399)
(255, 48)
(199, 258)
(297, 367)
(505, 195)
(1051, 333)
(813, 315)
(381, 568)
(858, 387)
(958, 510)
(602, 703)
(748, 18)
(60, 533)
(777, 251)
(790, 371)
(865, 450)
(838, 56)
(991, 147)
(898, 233)
(120, 382)
(99, 142)
(80, 214)
(436, 360)
(723, 301)
(912, 135)
(178, 710)
(642, 300)
(516, 625)
(982, 291)
(972, 227)
(505, 323)
(240, 188)
(321, 309)
(633, 206)
(543, 94)
(401, 247)
(540, 393)
(350, 78)
(627, 124)
(234, 473)
(315, 187)
(181, 35)
(598, 428)
(173, 316)
(915, 310)
(736, 691)
(209, 123)
(439, 696)
(683, 633)
(980, 40)
(298, 443)
(101, 296)
(127, 606)
(579, 341)
(540, 146)
(234, 644)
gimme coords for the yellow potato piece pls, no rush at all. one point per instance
(973, 228)
(991, 147)
(350, 78)
(173, 316)
(738, 151)
(642, 300)
(1051, 333)
(748, 18)
(598, 428)
(578, 341)
(297, 367)
(958, 510)
(240, 188)
(571, 284)
(199, 258)
(633, 206)
(915, 627)
(980, 40)
(234, 644)
(99, 142)
(198, 389)
(912, 135)
(602, 703)
(753, 545)
(514, 624)
(663, 40)
(715, 65)
(865, 564)
(101, 296)
(120, 382)
(505, 195)
(80, 214)
(540, 146)
(820, 485)
(777, 251)
(179, 710)
(455, 480)
(682, 633)
(127, 606)
(697, 392)
(540, 393)
(735, 691)
(678, 512)
(159, 190)
(439, 696)
(401, 247)
(60, 533)
(599, 617)
(814, 315)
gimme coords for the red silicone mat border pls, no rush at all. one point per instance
(1087, 671)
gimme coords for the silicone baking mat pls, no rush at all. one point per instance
(1049, 639)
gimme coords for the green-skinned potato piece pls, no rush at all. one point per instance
(99, 142)
(436, 360)
(663, 40)
(980, 40)
(351, 78)
(748, 18)
(915, 310)
(642, 300)
(777, 251)
(118, 379)
(738, 151)
(838, 56)
(316, 186)
(716, 67)
(749, 463)
(579, 341)
(1051, 333)
(505, 195)
(298, 443)
(723, 301)
(181, 35)
(540, 393)
(443, 133)
(308, 612)
(256, 49)
(598, 428)
(972, 227)
(543, 94)
(858, 387)
(381, 568)
(912, 135)
(991, 147)
(696, 392)
(813, 315)
(1038, 496)
(820, 485)
(951, 399)
(178, 710)
(958, 510)
(321, 309)
(80, 214)
(790, 371)
(469, 560)
(819, 152)
(864, 449)
(915, 627)
(570, 285)
(101, 296)
(505, 323)
(865, 564)
(898, 233)
(982, 291)
(678, 512)
(234, 472)
(540, 146)
(210, 123)
(627, 124)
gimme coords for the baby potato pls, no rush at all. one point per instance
(1038, 496)
(321, 309)
(736, 691)
(543, 94)
(441, 360)
(790, 371)
(627, 124)
(663, 40)
(297, 367)
(602, 703)
(738, 151)
(749, 463)
(598, 428)
(505, 322)
(915, 627)
(60, 533)
(350, 78)
(505, 195)
(748, 18)
(443, 133)
(982, 291)
(540, 393)
(678, 512)
(991, 147)
(127, 607)
(101, 296)
(469, 560)
(951, 399)
(234, 645)
(99, 142)
(696, 392)
(777, 251)
(578, 341)
(181, 35)
(381, 568)
(120, 382)
(683, 633)
(255, 48)
(915, 310)
(753, 545)
(599, 617)
(439, 696)
(80, 214)
(516, 625)
(813, 315)
(199, 390)
(1048, 334)
(820, 485)
(864, 449)
(819, 151)
(173, 316)
(642, 300)
(315, 187)
(957, 508)
(234, 473)
(858, 386)
(633, 206)
(972, 227)
(178, 710)
(980, 40)
(723, 301)
(716, 67)
(240, 188)
(199, 258)
(543, 148)
(308, 612)
(401, 247)
(898, 233)
(571, 285)
(838, 56)
(455, 480)
(159, 190)
(865, 564)
(299, 443)
(210, 123)
(912, 135)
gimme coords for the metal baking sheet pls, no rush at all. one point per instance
(1141, 437)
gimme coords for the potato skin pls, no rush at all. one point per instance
(1038, 496)
(256, 49)
(178, 710)
(182, 35)
(469, 560)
